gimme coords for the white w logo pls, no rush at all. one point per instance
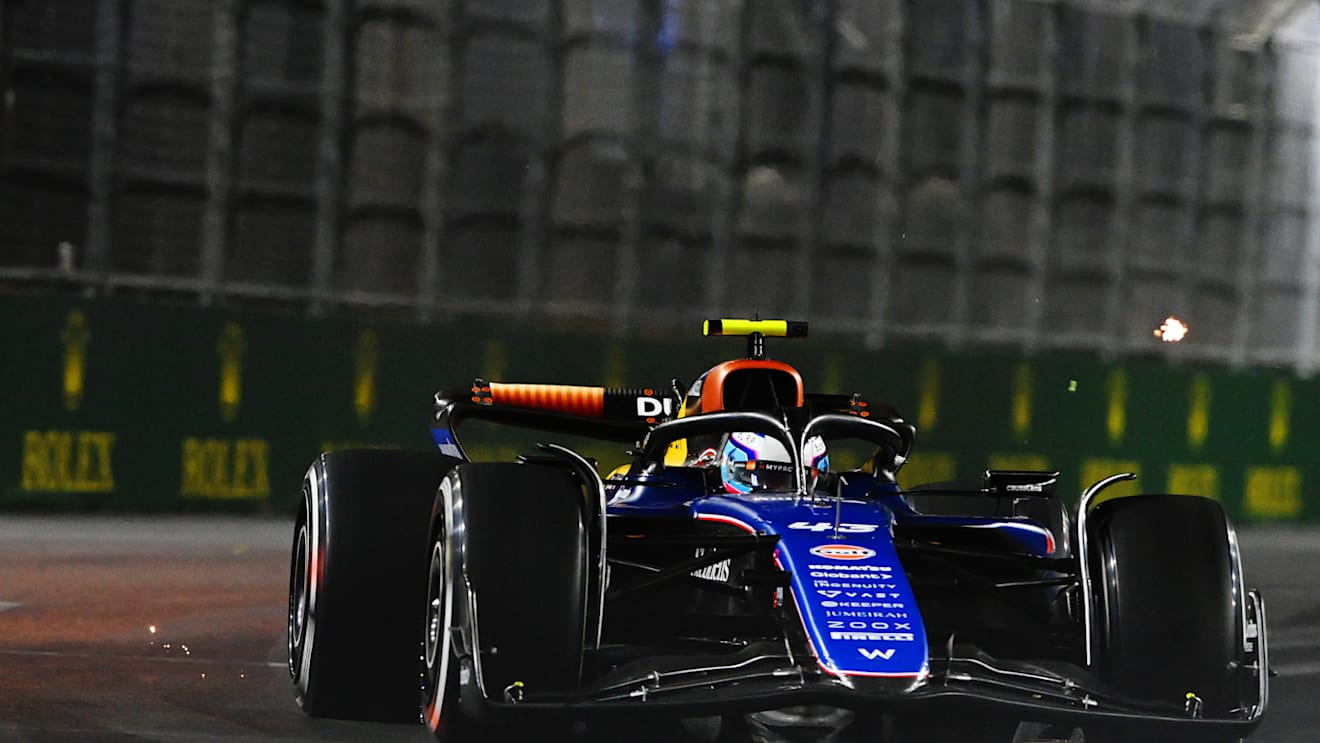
(872, 653)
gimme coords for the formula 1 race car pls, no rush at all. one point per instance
(754, 570)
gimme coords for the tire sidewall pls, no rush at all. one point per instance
(1168, 599)
(439, 662)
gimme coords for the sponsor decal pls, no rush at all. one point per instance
(841, 552)
(834, 594)
(651, 407)
(1025, 488)
(857, 568)
(69, 461)
(823, 526)
(863, 604)
(854, 583)
(870, 626)
(225, 468)
(855, 586)
(446, 442)
(873, 653)
(874, 636)
(717, 572)
(866, 614)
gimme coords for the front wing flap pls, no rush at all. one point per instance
(767, 675)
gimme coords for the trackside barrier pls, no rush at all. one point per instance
(121, 405)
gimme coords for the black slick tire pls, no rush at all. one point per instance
(514, 535)
(356, 582)
(1168, 618)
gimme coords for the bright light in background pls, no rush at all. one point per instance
(1172, 330)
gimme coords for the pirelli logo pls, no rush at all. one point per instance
(874, 636)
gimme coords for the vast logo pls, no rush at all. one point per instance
(842, 552)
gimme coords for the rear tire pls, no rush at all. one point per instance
(1167, 594)
(514, 534)
(356, 582)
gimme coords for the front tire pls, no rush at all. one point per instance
(514, 535)
(1167, 603)
(356, 582)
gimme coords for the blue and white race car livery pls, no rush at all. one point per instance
(755, 569)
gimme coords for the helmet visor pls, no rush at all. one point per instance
(763, 475)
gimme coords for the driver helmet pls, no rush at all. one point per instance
(754, 462)
(816, 459)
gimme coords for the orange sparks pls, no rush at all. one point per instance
(1172, 330)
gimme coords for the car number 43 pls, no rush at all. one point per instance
(821, 526)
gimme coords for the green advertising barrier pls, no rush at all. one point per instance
(128, 406)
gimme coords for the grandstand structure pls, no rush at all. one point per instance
(1033, 174)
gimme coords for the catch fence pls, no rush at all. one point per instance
(1019, 173)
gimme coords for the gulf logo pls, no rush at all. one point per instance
(841, 552)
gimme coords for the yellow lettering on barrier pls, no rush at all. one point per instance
(1028, 462)
(928, 467)
(219, 468)
(492, 367)
(1198, 412)
(76, 336)
(1274, 492)
(1280, 413)
(616, 366)
(832, 374)
(231, 348)
(68, 462)
(1116, 417)
(928, 408)
(1194, 479)
(1095, 470)
(364, 383)
(1023, 383)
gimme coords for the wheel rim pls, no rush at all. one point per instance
(299, 594)
(435, 604)
(435, 641)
